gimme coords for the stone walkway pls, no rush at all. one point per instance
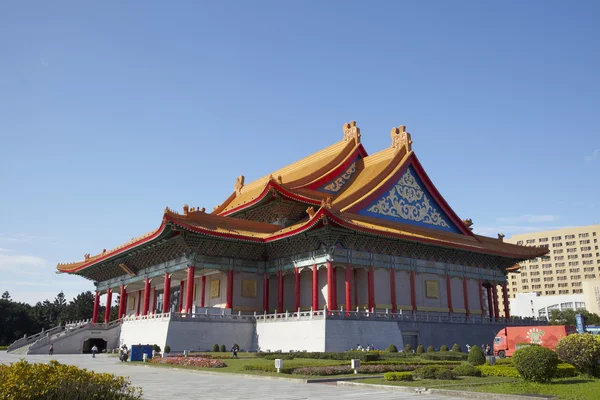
(162, 383)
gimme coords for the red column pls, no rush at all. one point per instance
(393, 290)
(154, 299)
(279, 292)
(371, 287)
(297, 289)
(181, 290)
(466, 296)
(330, 290)
(121, 303)
(108, 304)
(266, 293)
(355, 273)
(413, 292)
(189, 292)
(334, 287)
(139, 296)
(505, 298)
(449, 293)
(229, 298)
(315, 288)
(348, 287)
(481, 297)
(96, 308)
(495, 294)
(125, 303)
(146, 296)
(167, 294)
(489, 296)
(203, 291)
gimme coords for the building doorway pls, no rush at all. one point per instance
(98, 342)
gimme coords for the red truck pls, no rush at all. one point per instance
(510, 338)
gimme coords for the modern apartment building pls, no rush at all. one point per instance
(574, 257)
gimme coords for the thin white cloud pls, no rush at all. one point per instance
(15, 262)
(528, 219)
(595, 154)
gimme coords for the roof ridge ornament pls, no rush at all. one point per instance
(468, 223)
(401, 138)
(351, 132)
(239, 185)
(310, 211)
(501, 237)
(326, 203)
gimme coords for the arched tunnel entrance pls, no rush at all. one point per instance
(98, 342)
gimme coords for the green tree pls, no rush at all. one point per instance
(6, 295)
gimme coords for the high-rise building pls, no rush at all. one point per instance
(573, 258)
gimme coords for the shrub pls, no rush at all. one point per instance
(223, 348)
(267, 368)
(466, 370)
(476, 356)
(420, 349)
(190, 362)
(430, 349)
(156, 348)
(426, 372)
(444, 356)
(407, 348)
(444, 348)
(504, 361)
(392, 349)
(565, 371)
(456, 348)
(535, 363)
(347, 355)
(215, 348)
(503, 371)
(22, 380)
(582, 351)
(167, 349)
(281, 356)
(398, 376)
(445, 374)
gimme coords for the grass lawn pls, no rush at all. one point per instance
(576, 388)
(457, 384)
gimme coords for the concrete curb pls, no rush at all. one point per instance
(446, 392)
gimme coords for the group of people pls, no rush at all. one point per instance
(487, 350)
(368, 347)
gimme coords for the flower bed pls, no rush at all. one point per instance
(202, 362)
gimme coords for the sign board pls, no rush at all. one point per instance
(579, 323)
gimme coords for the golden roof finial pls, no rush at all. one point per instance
(186, 209)
(468, 223)
(501, 237)
(239, 184)
(351, 131)
(401, 138)
(279, 180)
(310, 211)
(326, 203)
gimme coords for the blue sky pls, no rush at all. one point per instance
(110, 112)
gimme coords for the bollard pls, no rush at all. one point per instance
(278, 364)
(355, 364)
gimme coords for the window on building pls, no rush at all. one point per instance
(576, 284)
(569, 237)
(571, 250)
(571, 243)
(525, 287)
(550, 292)
(556, 238)
(573, 263)
(586, 241)
(547, 273)
(577, 291)
(583, 235)
(590, 276)
(587, 255)
(588, 262)
(563, 284)
(560, 264)
(588, 269)
(536, 287)
(534, 267)
(561, 278)
(534, 273)
(535, 280)
(586, 248)
(543, 240)
(548, 279)
(524, 281)
(529, 241)
(520, 242)
(556, 244)
(563, 292)
(573, 257)
(523, 273)
(579, 305)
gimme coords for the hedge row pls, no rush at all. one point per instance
(447, 356)
(398, 376)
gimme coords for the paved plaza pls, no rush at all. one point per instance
(163, 383)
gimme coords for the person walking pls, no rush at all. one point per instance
(51, 350)
(94, 351)
(234, 350)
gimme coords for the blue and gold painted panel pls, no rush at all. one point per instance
(340, 181)
(409, 202)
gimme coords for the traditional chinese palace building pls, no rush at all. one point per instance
(339, 229)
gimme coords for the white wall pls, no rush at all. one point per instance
(146, 331)
(529, 304)
(73, 344)
(202, 335)
(292, 334)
